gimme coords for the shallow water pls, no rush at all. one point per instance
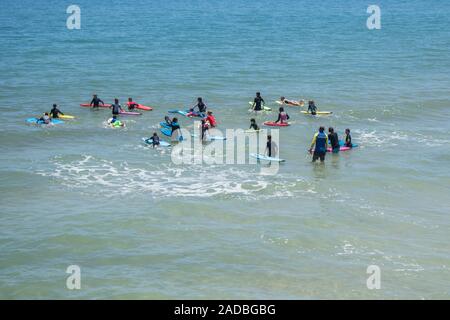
(140, 226)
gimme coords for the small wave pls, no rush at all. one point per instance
(168, 180)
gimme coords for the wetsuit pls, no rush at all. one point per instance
(96, 102)
(204, 129)
(201, 108)
(312, 108)
(55, 112)
(155, 140)
(116, 108)
(320, 141)
(334, 142)
(258, 103)
(269, 147)
(283, 117)
(175, 126)
(254, 126)
(348, 141)
(132, 105)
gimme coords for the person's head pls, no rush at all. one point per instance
(347, 131)
(199, 99)
(252, 120)
(312, 102)
(269, 137)
(175, 120)
(209, 113)
(95, 96)
(46, 114)
(258, 94)
(330, 130)
(281, 109)
(155, 134)
(321, 129)
(54, 105)
(282, 98)
(116, 100)
(130, 99)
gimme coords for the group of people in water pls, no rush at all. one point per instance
(320, 145)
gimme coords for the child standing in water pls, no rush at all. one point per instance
(348, 139)
(258, 102)
(271, 147)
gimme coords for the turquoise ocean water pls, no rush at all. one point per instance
(140, 226)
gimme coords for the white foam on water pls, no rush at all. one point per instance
(168, 180)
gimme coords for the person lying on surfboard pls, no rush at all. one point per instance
(258, 102)
(131, 104)
(283, 117)
(201, 108)
(114, 122)
(116, 107)
(253, 124)
(55, 112)
(299, 103)
(312, 107)
(95, 102)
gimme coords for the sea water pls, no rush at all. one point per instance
(140, 226)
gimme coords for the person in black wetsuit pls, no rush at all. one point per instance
(95, 102)
(334, 140)
(55, 112)
(155, 140)
(312, 107)
(271, 147)
(258, 102)
(253, 125)
(116, 107)
(204, 127)
(201, 107)
(348, 139)
(131, 104)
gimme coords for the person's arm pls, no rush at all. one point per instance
(326, 141)
(254, 104)
(101, 101)
(90, 104)
(263, 102)
(287, 116)
(59, 111)
(120, 108)
(279, 118)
